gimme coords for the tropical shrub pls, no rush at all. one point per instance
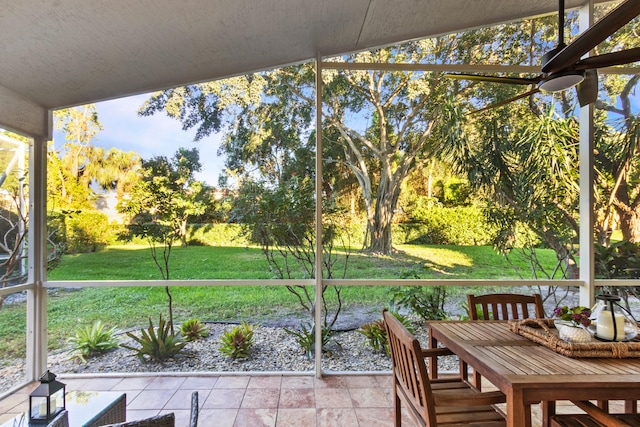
(88, 230)
(306, 337)
(193, 330)
(237, 342)
(156, 345)
(91, 340)
(431, 223)
(424, 301)
(376, 334)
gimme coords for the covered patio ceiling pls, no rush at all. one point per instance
(70, 52)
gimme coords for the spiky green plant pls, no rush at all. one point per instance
(193, 330)
(156, 345)
(237, 342)
(93, 339)
(376, 333)
(306, 338)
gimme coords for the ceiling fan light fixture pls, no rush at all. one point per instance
(561, 81)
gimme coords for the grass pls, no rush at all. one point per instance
(130, 307)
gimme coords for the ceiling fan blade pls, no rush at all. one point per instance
(507, 101)
(609, 59)
(496, 79)
(593, 36)
(588, 89)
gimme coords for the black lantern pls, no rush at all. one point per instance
(47, 400)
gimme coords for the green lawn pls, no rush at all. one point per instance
(131, 307)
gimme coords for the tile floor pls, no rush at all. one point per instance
(238, 400)
(248, 400)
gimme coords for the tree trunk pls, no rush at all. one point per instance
(379, 225)
(563, 254)
(630, 224)
(379, 230)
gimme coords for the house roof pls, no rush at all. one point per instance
(71, 52)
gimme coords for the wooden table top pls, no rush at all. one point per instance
(513, 356)
(529, 373)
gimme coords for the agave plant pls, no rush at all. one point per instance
(156, 345)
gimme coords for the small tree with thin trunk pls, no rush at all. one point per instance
(162, 202)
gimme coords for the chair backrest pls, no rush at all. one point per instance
(61, 420)
(409, 370)
(166, 420)
(505, 306)
(193, 421)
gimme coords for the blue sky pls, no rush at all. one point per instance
(151, 136)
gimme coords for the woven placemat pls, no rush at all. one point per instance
(544, 332)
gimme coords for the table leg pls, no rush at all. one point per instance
(548, 410)
(433, 361)
(518, 413)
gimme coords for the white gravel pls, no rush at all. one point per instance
(274, 350)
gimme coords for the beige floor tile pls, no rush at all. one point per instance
(368, 398)
(181, 399)
(232, 382)
(133, 383)
(297, 398)
(265, 381)
(256, 418)
(299, 417)
(261, 398)
(151, 399)
(166, 383)
(333, 398)
(336, 417)
(224, 399)
(217, 417)
(375, 417)
(361, 381)
(297, 381)
(199, 383)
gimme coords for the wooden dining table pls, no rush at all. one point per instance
(529, 373)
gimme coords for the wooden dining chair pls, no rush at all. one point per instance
(594, 417)
(439, 402)
(505, 306)
(501, 307)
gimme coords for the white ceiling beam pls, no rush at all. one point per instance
(20, 115)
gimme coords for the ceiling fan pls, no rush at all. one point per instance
(562, 67)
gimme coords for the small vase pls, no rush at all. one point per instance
(574, 334)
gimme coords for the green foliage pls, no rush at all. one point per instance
(425, 301)
(432, 223)
(619, 260)
(216, 235)
(306, 337)
(90, 340)
(87, 230)
(156, 345)
(193, 330)
(288, 243)
(237, 342)
(377, 335)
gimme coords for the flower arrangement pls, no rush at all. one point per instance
(578, 315)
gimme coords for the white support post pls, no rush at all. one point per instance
(318, 260)
(587, 232)
(37, 297)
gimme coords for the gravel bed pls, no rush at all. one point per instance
(274, 350)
